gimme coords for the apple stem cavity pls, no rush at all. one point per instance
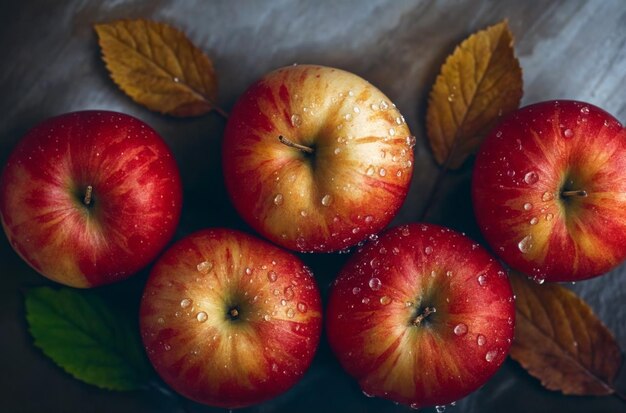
(579, 192)
(87, 198)
(233, 313)
(423, 315)
(292, 144)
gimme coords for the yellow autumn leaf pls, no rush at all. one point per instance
(480, 82)
(560, 341)
(158, 67)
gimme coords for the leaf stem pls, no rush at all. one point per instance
(619, 395)
(220, 112)
(430, 199)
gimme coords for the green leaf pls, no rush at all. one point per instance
(87, 338)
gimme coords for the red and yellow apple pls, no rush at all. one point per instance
(423, 316)
(228, 319)
(89, 198)
(549, 191)
(316, 158)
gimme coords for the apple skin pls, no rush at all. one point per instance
(350, 187)
(383, 289)
(135, 205)
(188, 332)
(521, 171)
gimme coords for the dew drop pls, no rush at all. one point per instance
(368, 219)
(374, 284)
(161, 320)
(448, 273)
(374, 263)
(326, 200)
(204, 267)
(370, 171)
(337, 151)
(568, 133)
(384, 300)
(482, 280)
(460, 329)
(440, 409)
(167, 347)
(185, 302)
(290, 313)
(303, 213)
(525, 244)
(271, 275)
(382, 172)
(248, 271)
(481, 340)
(302, 307)
(267, 317)
(528, 206)
(392, 131)
(547, 196)
(549, 217)
(296, 120)
(383, 105)
(405, 231)
(365, 300)
(347, 116)
(201, 317)
(531, 177)
(533, 220)
(289, 293)
(491, 355)
(356, 109)
(278, 199)
(584, 110)
(408, 304)
(428, 250)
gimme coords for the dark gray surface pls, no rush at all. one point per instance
(50, 65)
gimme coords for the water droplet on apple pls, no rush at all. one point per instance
(382, 172)
(161, 320)
(384, 300)
(326, 200)
(482, 280)
(533, 220)
(498, 134)
(584, 110)
(167, 347)
(374, 263)
(201, 317)
(283, 302)
(248, 271)
(460, 329)
(547, 196)
(356, 109)
(267, 317)
(289, 293)
(302, 307)
(374, 284)
(405, 231)
(440, 409)
(510, 173)
(365, 300)
(549, 217)
(428, 250)
(290, 313)
(481, 340)
(278, 199)
(448, 273)
(392, 131)
(383, 105)
(204, 267)
(525, 244)
(274, 367)
(271, 275)
(408, 303)
(276, 291)
(491, 355)
(347, 116)
(568, 133)
(531, 177)
(368, 219)
(414, 406)
(337, 151)
(370, 171)
(296, 120)
(528, 206)
(185, 302)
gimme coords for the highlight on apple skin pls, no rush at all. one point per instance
(230, 320)
(549, 191)
(89, 198)
(423, 316)
(316, 158)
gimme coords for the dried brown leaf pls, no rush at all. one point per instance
(560, 341)
(480, 82)
(157, 66)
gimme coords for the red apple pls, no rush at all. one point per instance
(423, 316)
(89, 198)
(230, 320)
(549, 191)
(316, 159)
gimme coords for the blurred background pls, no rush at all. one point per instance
(51, 64)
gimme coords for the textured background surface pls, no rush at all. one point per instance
(50, 64)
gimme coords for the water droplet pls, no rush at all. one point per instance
(531, 177)
(384, 300)
(296, 120)
(204, 267)
(185, 302)
(510, 173)
(547, 196)
(365, 300)
(525, 244)
(276, 291)
(498, 134)
(326, 200)
(347, 116)
(368, 219)
(366, 394)
(271, 275)
(428, 250)
(289, 293)
(449, 273)
(568, 133)
(481, 340)
(383, 105)
(302, 307)
(248, 271)
(382, 172)
(267, 317)
(405, 231)
(161, 320)
(392, 131)
(303, 213)
(451, 97)
(201, 317)
(370, 171)
(374, 284)
(356, 109)
(414, 406)
(584, 110)
(175, 79)
(482, 280)
(374, 106)
(533, 220)
(278, 199)
(491, 355)
(549, 217)
(460, 329)
(374, 263)
(337, 151)
(440, 409)
(408, 304)
(167, 347)
(290, 313)
(528, 206)
(283, 302)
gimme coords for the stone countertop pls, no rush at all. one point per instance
(568, 49)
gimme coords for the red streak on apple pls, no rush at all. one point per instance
(549, 191)
(230, 320)
(423, 316)
(350, 183)
(133, 207)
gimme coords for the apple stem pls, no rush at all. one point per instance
(234, 313)
(292, 144)
(87, 199)
(421, 317)
(578, 192)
